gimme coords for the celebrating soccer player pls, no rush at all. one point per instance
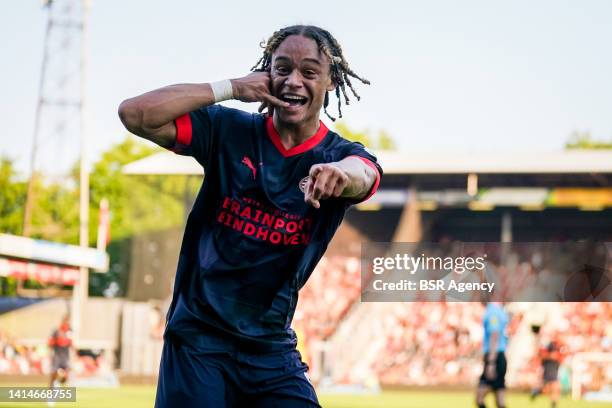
(276, 188)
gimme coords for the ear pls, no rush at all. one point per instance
(331, 85)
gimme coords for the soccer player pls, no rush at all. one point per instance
(550, 358)
(495, 321)
(60, 343)
(276, 188)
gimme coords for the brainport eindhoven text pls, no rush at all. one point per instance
(432, 284)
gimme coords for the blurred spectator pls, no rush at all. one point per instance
(328, 295)
(19, 359)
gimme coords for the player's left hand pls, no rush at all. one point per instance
(325, 181)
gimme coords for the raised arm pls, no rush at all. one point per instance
(152, 114)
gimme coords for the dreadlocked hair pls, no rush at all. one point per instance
(339, 68)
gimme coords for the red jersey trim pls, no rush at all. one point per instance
(369, 163)
(184, 132)
(310, 143)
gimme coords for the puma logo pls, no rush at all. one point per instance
(247, 162)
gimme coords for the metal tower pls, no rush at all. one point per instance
(59, 125)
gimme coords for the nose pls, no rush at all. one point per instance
(294, 79)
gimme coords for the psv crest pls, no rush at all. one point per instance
(302, 184)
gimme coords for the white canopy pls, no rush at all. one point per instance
(568, 161)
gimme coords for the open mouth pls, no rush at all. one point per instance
(294, 100)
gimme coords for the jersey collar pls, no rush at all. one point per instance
(308, 144)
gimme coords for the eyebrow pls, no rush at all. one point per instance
(313, 60)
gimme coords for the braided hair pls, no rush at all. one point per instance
(339, 69)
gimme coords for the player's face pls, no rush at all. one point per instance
(300, 75)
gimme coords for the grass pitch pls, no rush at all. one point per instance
(143, 397)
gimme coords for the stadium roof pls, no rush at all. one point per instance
(568, 161)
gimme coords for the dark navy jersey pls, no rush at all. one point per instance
(251, 241)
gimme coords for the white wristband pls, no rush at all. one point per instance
(222, 90)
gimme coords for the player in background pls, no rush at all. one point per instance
(550, 359)
(60, 343)
(276, 188)
(495, 321)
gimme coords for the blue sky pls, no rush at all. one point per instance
(446, 75)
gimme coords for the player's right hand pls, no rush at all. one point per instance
(490, 371)
(255, 87)
(326, 180)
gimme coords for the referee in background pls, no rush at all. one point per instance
(495, 321)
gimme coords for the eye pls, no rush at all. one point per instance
(310, 73)
(282, 70)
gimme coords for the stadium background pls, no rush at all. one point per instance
(359, 348)
(361, 354)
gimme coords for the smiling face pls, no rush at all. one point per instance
(300, 75)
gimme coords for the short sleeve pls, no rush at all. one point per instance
(197, 132)
(359, 151)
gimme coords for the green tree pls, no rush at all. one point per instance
(12, 198)
(55, 214)
(584, 140)
(362, 137)
(55, 211)
(382, 140)
(385, 141)
(137, 204)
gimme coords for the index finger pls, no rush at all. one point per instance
(272, 100)
(308, 194)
